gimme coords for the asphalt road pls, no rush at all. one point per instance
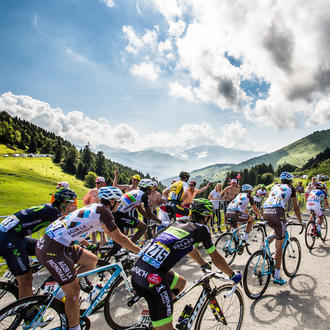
(303, 303)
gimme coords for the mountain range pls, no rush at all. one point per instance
(162, 164)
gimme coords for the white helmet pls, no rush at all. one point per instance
(146, 183)
(110, 193)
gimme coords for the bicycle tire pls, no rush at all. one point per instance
(207, 320)
(227, 246)
(116, 311)
(260, 281)
(256, 237)
(324, 229)
(12, 316)
(309, 235)
(8, 293)
(292, 251)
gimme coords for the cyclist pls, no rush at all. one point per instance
(57, 252)
(16, 247)
(314, 204)
(260, 194)
(152, 274)
(237, 210)
(274, 213)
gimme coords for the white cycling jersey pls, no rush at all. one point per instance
(240, 202)
(280, 195)
(132, 199)
(76, 226)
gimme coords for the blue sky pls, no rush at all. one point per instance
(164, 73)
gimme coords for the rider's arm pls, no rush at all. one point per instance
(296, 208)
(256, 210)
(121, 239)
(166, 192)
(147, 213)
(220, 262)
(196, 256)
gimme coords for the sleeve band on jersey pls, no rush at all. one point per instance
(175, 281)
(162, 322)
(211, 249)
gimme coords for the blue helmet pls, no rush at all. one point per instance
(247, 187)
(110, 193)
(286, 176)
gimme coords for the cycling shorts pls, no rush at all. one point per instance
(125, 220)
(237, 216)
(175, 208)
(156, 288)
(276, 220)
(16, 250)
(59, 259)
(316, 207)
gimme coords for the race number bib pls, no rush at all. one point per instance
(155, 254)
(56, 228)
(9, 223)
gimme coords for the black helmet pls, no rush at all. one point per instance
(184, 175)
(201, 206)
(64, 194)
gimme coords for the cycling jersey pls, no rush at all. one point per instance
(280, 195)
(30, 220)
(314, 201)
(176, 192)
(240, 202)
(132, 199)
(76, 226)
(173, 244)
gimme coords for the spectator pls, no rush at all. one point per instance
(261, 193)
(93, 197)
(310, 187)
(127, 187)
(191, 192)
(229, 193)
(214, 197)
(300, 190)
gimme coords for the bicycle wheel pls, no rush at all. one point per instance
(257, 274)
(291, 257)
(227, 247)
(324, 229)
(309, 235)
(8, 293)
(13, 315)
(232, 309)
(256, 237)
(116, 311)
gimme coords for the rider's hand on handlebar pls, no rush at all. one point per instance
(236, 277)
(205, 267)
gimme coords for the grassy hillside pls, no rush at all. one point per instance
(297, 153)
(27, 182)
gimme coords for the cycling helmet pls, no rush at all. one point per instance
(262, 186)
(110, 193)
(64, 194)
(318, 185)
(202, 206)
(63, 184)
(247, 187)
(286, 176)
(145, 184)
(184, 175)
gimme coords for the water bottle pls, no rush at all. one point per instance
(94, 293)
(184, 317)
(110, 243)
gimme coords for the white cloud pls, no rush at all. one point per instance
(109, 3)
(274, 43)
(147, 70)
(75, 56)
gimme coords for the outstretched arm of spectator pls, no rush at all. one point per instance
(115, 180)
(204, 188)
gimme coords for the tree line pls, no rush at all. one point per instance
(83, 163)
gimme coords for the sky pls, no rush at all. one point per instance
(250, 75)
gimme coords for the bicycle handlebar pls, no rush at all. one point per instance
(291, 223)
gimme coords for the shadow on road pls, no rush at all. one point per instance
(302, 306)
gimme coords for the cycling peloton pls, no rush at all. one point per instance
(16, 247)
(274, 213)
(152, 274)
(314, 204)
(237, 210)
(57, 251)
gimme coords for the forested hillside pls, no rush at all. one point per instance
(30, 138)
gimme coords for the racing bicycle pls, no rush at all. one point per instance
(311, 230)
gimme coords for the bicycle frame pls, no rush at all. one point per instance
(119, 271)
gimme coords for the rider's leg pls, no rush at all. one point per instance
(86, 262)
(142, 227)
(72, 309)
(278, 256)
(178, 284)
(24, 285)
(249, 225)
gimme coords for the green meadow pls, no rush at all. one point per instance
(26, 182)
